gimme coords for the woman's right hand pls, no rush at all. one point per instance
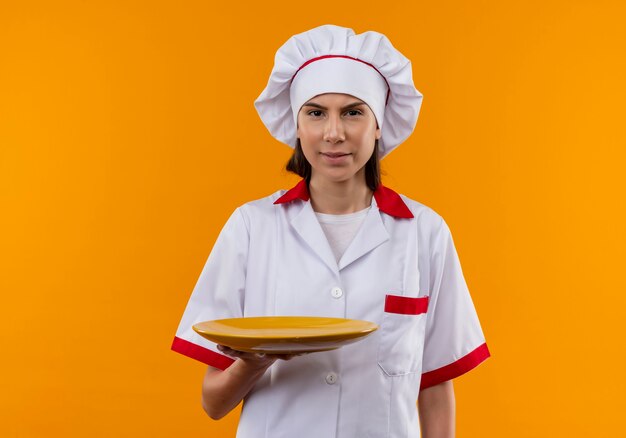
(223, 390)
(255, 360)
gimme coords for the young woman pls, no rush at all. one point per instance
(338, 244)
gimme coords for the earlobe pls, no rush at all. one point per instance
(378, 133)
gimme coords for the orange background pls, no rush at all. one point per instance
(128, 135)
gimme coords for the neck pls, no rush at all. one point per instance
(342, 197)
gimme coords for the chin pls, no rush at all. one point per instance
(340, 176)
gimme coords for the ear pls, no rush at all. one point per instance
(378, 133)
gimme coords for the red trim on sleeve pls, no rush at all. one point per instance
(201, 354)
(406, 305)
(388, 201)
(455, 369)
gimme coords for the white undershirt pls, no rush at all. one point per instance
(340, 229)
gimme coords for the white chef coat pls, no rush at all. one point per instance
(401, 271)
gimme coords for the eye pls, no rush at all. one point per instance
(354, 112)
(315, 113)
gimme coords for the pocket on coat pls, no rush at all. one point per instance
(402, 332)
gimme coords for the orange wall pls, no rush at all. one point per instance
(128, 135)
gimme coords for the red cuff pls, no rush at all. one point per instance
(455, 369)
(201, 354)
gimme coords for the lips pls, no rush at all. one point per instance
(334, 154)
(335, 158)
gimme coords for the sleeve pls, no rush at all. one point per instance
(454, 341)
(218, 294)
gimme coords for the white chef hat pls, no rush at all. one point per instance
(333, 59)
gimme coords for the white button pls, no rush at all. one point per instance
(336, 292)
(331, 378)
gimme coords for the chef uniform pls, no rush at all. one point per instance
(400, 271)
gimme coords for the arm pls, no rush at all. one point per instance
(223, 390)
(436, 406)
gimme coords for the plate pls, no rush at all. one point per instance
(285, 334)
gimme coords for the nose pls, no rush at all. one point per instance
(334, 130)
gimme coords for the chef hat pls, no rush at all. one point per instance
(333, 59)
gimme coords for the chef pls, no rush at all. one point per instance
(338, 244)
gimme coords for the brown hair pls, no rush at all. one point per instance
(299, 165)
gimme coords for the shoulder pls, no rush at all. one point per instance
(425, 217)
(260, 209)
(431, 226)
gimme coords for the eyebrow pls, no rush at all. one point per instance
(350, 105)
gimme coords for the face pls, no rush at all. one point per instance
(337, 133)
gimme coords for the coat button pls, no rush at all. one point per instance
(331, 378)
(336, 292)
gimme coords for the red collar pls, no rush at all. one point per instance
(387, 200)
